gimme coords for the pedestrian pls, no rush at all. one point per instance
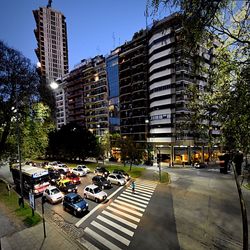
(133, 186)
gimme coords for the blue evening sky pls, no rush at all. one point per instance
(93, 26)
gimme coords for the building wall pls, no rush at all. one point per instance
(52, 51)
(112, 68)
(133, 63)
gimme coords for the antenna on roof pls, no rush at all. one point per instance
(49, 4)
(113, 36)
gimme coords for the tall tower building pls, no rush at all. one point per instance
(52, 51)
(51, 35)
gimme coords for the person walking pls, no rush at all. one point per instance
(133, 186)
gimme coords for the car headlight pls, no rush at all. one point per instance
(76, 187)
(79, 209)
(69, 190)
(35, 191)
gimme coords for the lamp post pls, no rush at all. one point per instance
(21, 200)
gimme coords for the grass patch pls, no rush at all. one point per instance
(165, 177)
(247, 186)
(10, 200)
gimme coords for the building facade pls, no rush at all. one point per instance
(133, 63)
(112, 68)
(86, 94)
(52, 49)
(170, 75)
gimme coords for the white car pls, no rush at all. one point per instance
(116, 179)
(79, 171)
(53, 194)
(83, 167)
(93, 192)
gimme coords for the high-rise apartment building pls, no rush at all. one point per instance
(112, 69)
(86, 93)
(170, 74)
(133, 63)
(52, 50)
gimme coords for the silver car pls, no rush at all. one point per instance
(53, 194)
(116, 179)
(93, 192)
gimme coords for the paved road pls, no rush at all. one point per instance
(198, 210)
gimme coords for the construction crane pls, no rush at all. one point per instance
(49, 4)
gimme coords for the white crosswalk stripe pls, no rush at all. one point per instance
(141, 190)
(110, 233)
(129, 205)
(145, 187)
(138, 192)
(123, 214)
(137, 195)
(130, 201)
(133, 198)
(115, 225)
(112, 216)
(101, 239)
(120, 219)
(126, 209)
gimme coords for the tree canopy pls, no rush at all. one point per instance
(18, 90)
(71, 142)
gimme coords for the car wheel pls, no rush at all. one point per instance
(85, 196)
(96, 200)
(119, 184)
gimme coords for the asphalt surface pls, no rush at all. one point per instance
(199, 209)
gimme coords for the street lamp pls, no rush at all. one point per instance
(21, 200)
(54, 85)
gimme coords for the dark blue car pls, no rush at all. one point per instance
(75, 204)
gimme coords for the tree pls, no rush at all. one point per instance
(18, 90)
(129, 151)
(37, 126)
(227, 21)
(72, 141)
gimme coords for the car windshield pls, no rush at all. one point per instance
(119, 176)
(55, 191)
(77, 199)
(68, 183)
(97, 190)
(80, 170)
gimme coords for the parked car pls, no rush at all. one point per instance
(54, 176)
(93, 192)
(122, 173)
(75, 204)
(101, 182)
(79, 171)
(116, 179)
(83, 167)
(101, 171)
(63, 167)
(73, 178)
(53, 194)
(66, 186)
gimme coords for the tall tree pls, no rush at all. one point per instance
(36, 128)
(72, 141)
(18, 89)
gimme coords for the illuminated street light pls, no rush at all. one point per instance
(54, 85)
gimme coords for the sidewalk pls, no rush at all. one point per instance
(33, 239)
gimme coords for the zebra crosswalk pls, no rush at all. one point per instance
(114, 228)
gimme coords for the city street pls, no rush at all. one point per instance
(199, 209)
